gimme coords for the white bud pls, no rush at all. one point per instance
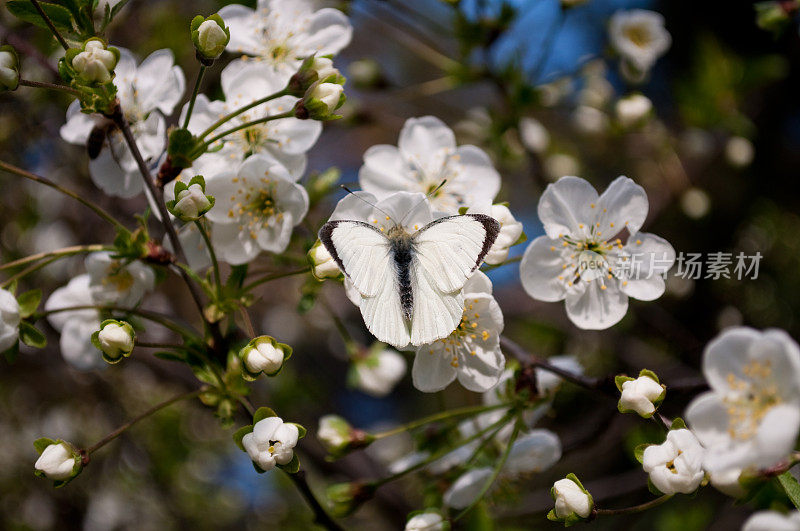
(116, 340)
(633, 109)
(427, 521)
(263, 357)
(571, 499)
(324, 67)
(9, 70)
(95, 62)
(329, 94)
(56, 462)
(677, 464)
(333, 432)
(211, 39)
(192, 202)
(324, 266)
(638, 395)
(271, 442)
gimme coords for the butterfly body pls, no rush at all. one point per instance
(410, 283)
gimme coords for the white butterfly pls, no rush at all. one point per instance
(410, 284)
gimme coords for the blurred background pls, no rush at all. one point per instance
(719, 160)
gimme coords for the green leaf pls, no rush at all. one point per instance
(239, 435)
(24, 10)
(292, 467)
(678, 424)
(621, 379)
(638, 452)
(29, 301)
(791, 487)
(263, 413)
(31, 336)
(300, 430)
(42, 443)
(116, 9)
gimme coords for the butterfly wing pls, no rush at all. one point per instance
(447, 252)
(364, 254)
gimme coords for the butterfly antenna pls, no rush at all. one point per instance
(373, 205)
(424, 199)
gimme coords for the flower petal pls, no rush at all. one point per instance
(432, 370)
(596, 308)
(565, 205)
(623, 204)
(540, 268)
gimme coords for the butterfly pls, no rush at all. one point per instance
(410, 283)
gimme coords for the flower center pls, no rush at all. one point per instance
(467, 336)
(255, 206)
(638, 35)
(751, 399)
(118, 277)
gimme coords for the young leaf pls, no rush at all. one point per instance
(791, 487)
(31, 336)
(29, 301)
(263, 413)
(24, 10)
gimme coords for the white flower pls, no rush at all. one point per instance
(147, 93)
(191, 203)
(57, 462)
(534, 135)
(582, 259)
(426, 154)
(257, 206)
(639, 37)
(9, 320)
(739, 151)
(282, 32)
(535, 451)
(322, 261)
(632, 109)
(427, 521)
(772, 521)
(116, 339)
(676, 465)
(727, 481)
(329, 94)
(9, 69)
(472, 352)
(113, 281)
(271, 442)
(571, 499)
(510, 231)
(638, 395)
(379, 372)
(751, 417)
(263, 356)
(286, 139)
(95, 62)
(76, 326)
(467, 487)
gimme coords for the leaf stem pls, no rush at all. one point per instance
(161, 319)
(239, 111)
(28, 270)
(275, 276)
(10, 168)
(204, 146)
(442, 415)
(66, 251)
(50, 25)
(119, 431)
(194, 95)
(212, 254)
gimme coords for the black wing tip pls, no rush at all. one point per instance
(492, 228)
(324, 234)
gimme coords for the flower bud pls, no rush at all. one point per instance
(115, 340)
(95, 62)
(10, 317)
(264, 355)
(429, 520)
(339, 437)
(573, 502)
(9, 68)
(642, 395)
(313, 70)
(345, 498)
(58, 460)
(632, 110)
(322, 264)
(319, 102)
(376, 371)
(210, 36)
(191, 201)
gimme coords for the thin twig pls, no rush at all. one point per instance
(50, 25)
(66, 251)
(51, 86)
(321, 516)
(635, 509)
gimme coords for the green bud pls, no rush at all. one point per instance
(191, 201)
(210, 36)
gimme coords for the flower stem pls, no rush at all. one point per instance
(275, 276)
(496, 472)
(636, 508)
(204, 146)
(214, 262)
(194, 96)
(661, 421)
(50, 25)
(321, 516)
(248, 323)
(442, 415)
(145, 344)
(66, 251)
(51, 86)
(47, 182)
(161, 319)
(239, 111)
(119, 431)
(28, 270)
